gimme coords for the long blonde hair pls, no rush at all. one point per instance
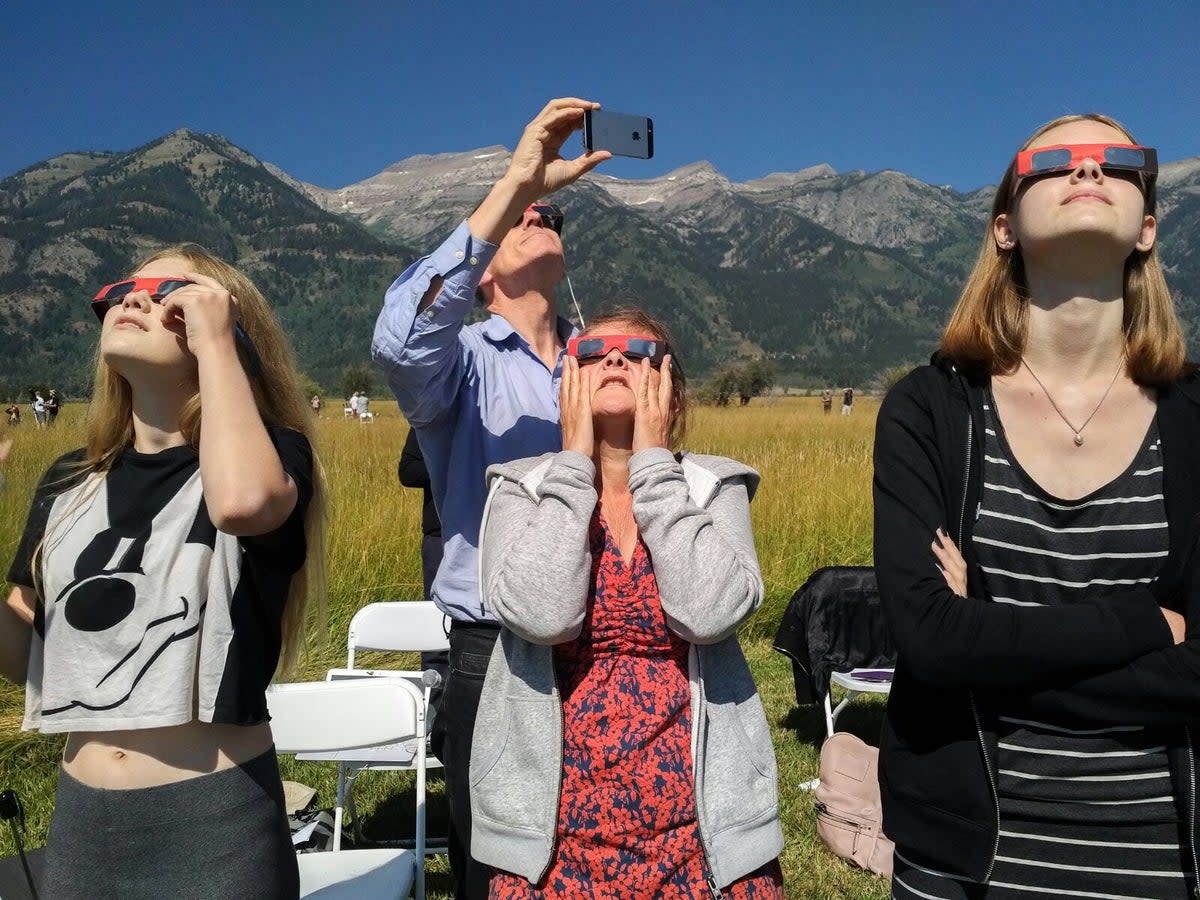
(988, 327)
(280, 402)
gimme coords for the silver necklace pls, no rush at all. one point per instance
(1078, 431)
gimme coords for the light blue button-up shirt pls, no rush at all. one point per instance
(476, 395)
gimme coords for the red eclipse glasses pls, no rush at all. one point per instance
(1067, 157)
(632, 346)
(552, 216)
(112, 294)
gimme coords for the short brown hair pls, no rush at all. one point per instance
(642, 322)
(987, 330)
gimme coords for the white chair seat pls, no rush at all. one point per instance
(356, 874)
(850, 682)
(854, 686)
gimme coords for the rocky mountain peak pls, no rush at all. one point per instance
(1180, 171)
(417, 194)
(482, 157)
(779, 179)
(698, 181)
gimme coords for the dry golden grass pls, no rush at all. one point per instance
(812, 509)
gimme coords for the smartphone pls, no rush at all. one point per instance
(619, 133)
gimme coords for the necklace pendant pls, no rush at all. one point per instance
(1078, 440)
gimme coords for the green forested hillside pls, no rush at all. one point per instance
(66, 229)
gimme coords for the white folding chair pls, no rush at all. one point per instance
(395, 626)
(327, 717)
(855, 682)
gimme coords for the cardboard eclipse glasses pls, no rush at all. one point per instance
(632, 346)
(112, 294)
(1059, 158)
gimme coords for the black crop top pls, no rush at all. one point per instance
(150, 616)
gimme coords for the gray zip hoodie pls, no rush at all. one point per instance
(535, 560)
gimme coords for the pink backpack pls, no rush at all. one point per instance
(849, 812)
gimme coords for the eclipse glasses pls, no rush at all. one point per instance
(1067, 157)
(632, 347)
(113, 294)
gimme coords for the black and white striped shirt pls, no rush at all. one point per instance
(1085, 811)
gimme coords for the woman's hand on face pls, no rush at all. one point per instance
(652, 410)
(951, 562)
(202, 313)
(575, 406)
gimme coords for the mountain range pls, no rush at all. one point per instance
(834, 277)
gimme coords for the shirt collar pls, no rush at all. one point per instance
(498, 329)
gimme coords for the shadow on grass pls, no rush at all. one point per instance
(390, 821)
(862, 718)
(392, 817)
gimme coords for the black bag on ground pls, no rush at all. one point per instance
(833, 623)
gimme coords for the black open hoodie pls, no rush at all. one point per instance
(1108, 659)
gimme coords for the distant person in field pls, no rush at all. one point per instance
(482, 394)
(826, 400)
(620, 571)
(315, 405)
(162, 575)
(847, 400)
(14, 414)
(352, 405)
(1037, 512)
(39, 409)
(52, 407)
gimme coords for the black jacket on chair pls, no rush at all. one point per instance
(833, 624)
(1109, 659)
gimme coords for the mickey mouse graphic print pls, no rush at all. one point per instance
(150, 616)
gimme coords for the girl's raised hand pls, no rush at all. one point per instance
(202, 313)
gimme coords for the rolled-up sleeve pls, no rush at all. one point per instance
(420, 352)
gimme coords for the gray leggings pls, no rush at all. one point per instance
(213, 837)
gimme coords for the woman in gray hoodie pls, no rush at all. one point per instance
(621, 748)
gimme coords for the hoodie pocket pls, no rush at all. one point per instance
(517, 777)
(739, 771)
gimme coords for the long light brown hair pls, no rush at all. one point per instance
(280, 402)
(987, 330)
(641, 322)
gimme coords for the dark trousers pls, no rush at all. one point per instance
(431, 558)
(453, 729)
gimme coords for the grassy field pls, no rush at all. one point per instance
(813, 509)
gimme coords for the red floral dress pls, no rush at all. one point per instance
(627, 812)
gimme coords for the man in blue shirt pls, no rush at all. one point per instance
(478, 395)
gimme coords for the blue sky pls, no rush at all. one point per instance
(335, 91)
